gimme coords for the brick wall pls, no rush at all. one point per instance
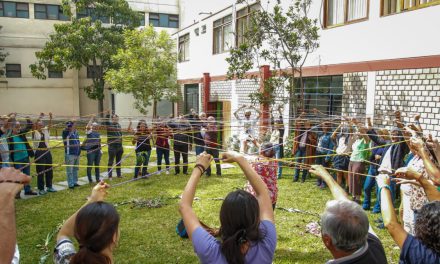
(354, 96)
(220, 91)
(411, 91)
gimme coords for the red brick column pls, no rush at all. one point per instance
(206, 90)
(264, 108)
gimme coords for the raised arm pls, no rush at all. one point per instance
(335, 133)
(11, 183)
(185, 206)
(388, 214)
(238, 110)
(432, 170)
(336, 190)
(89, 124)
(99, 193)
(362, 131)
(429, 188)
(50, 125)
(260, 188)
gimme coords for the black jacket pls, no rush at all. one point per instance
(398, 151)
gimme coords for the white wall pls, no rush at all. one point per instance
(408, 34)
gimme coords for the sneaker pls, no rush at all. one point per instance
(366, 207)
(167, 173)
(295, 180)
(71, 188)
(42, 192)
(76, 185)
(50, 189)
(30, 193)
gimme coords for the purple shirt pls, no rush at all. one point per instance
(208, 248)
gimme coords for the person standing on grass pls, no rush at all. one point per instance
(345, 230)
(43, 155)
(267, 169)
(324, 150)
(249, 126)
(343, 142)
(72, 150)
(247, 229)
(6, 125)
(198, 126)
(114, 142)
(181, 128)
(212, 146)
(358, 156)
(163, 134)
(21, 151)
(143, 148)
(92, 144)
(304, 146)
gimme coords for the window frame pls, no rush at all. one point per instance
(53, 74)
(249, 10)
(60, 14)
(416, 7)
(346, 22)
(221, 27)
(19, 75)
(182, 41)
(157, 19)
(17, 10)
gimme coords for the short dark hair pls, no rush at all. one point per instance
(427, 227)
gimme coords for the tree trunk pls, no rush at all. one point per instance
(154, 109)
(302, 89)
(293, 101)
(101, 107)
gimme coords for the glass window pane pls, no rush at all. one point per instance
(23, 14)
(52, 12)
(40, 8)
(40, 15)
(9, 9)
(335, 12)
(163, 20)
(357, 9)
(142, 21)
(217, 23)
(228, 37)
(217, 40)
(23, 6)
(173, 24)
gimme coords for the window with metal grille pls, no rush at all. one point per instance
(13, 70)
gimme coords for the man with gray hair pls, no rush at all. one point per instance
(346, 232)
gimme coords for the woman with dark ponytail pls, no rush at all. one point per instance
(247, 228)
(95, 227)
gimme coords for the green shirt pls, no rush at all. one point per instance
(360, 153)
(20, 151)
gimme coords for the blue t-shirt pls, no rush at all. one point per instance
(208, 248)
(415, 252)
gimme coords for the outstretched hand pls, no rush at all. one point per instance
(231, 157)
(12, 180)
(407, 173)
(99, 192)
(204, 159)
(321, 172)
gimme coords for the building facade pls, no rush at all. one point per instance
(375, 56)
(26, 26)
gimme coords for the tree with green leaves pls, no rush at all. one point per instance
(147, 68)
(86, 41)
(280, 38)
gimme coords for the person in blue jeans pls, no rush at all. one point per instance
(72, 151)
(198, 123)
(370, 181)
(143, 148)
(21, 151)
(92, 144)
(324, 150)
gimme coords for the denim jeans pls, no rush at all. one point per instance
(199, 150)
(22, 164)
(142, 159)
(72, 162)
(93, 159)
(321, 161)
(369, 183)
(114, 152)
(278, 155)
(163, 153)
(214, 153)
(299, 155)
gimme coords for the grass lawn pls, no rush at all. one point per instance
(148, 234)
